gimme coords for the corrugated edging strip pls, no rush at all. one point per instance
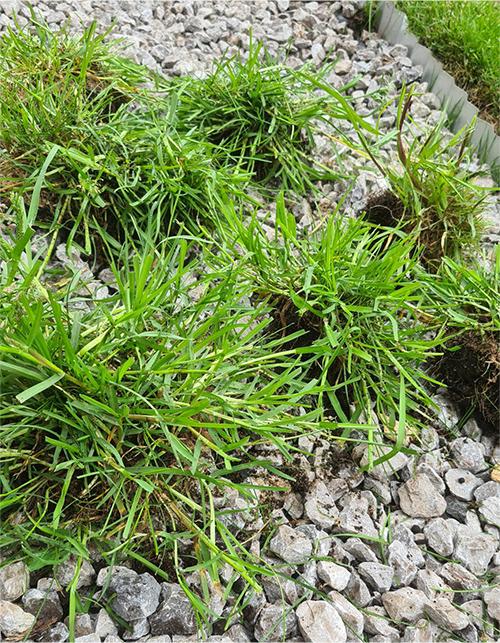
(392, 25)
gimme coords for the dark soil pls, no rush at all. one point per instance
(471, 371)
(384, 209)
(286, 321)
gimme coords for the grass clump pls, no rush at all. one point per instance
(261, 117)
(464, 36)
(110, 153)
(349, 294)
(141, 173)
(121, 424)
(432, 193)
(54, 87)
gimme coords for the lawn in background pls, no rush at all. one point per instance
(465, 38)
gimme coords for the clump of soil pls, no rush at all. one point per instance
(471, 370)
(384, 209)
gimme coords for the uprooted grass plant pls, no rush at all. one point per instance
(349, 290)
(124, 421)
(432, 191)
(262, 116)
(464, 298)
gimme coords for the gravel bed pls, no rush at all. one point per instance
(420, 561)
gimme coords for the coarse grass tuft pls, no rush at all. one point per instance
(432, 193)
(349, 291)
(53, 86)
(125, 421)
(109, 152)
(260, 115)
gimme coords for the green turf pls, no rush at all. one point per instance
(464, 36)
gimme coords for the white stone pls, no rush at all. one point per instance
(14, 581)
(320, 622)
(352, 617)
(290, 545)
(336, 576)
(14, 621)
(405, 604)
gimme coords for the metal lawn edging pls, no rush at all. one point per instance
(392, 25)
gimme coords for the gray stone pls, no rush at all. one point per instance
(136, 595)
(83, 625)
(475, 610)
(462, 483)
(419, 498)
(319, 621)
(389, 467)
(444, 614)
(343, 66)
(492, 600)
(422, 632)
(14, 621)
(66, 571)
(290, 545)
(105, 625)
(58, 633)
(88, 638)
(238, 633)
(14, 581)
(320, 507)
(457, 508)
(377, 576)
(360, 550)
(377, 623)
(275, 622)
(175, 614)
(440, 536)
(405, 560)
(352, 617)
(281, 34)
(489, 510)
(293, 506)
(47, 584)
(276, 588)
(317, 53)
(336, 576)
(474, 549)
(459, 578)
(355, 515)
(381, 489)
(357, 591)
(337, 488)
(435, 477)
(46, 606)
(487, 490)
(468, 454)
(429, 437)
(429, 583)
(321, 541)
(140, 628)
(339, 553)
(405, 604)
